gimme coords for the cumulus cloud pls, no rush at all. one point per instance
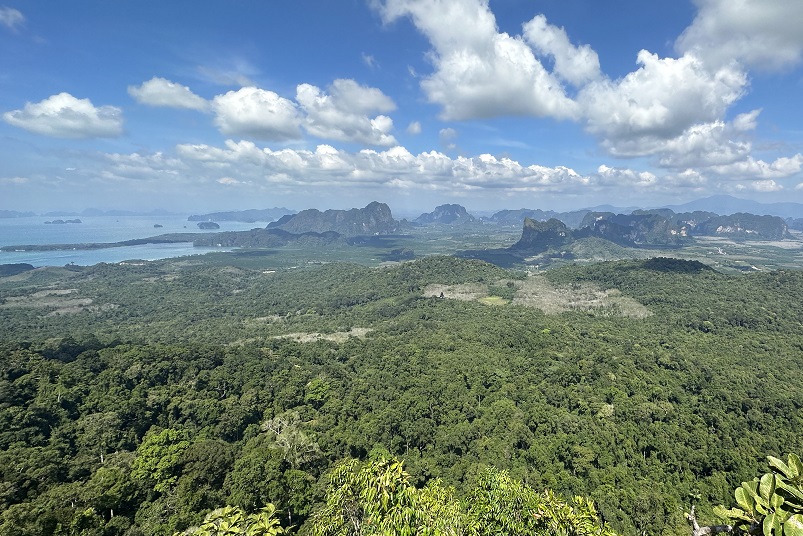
(11, 18)
(623, 177)
(161, 92)
(141, 166)
(254, 112)
(700, 145)
(764, 34)
(766, 185)
(414, 128)
(660, 100)
(344, 114)
(750, 168)
(480, 72)
(64, 116)
(576, 65)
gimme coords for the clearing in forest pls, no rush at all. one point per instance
(536, 291)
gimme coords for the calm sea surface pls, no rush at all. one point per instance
(21, 231)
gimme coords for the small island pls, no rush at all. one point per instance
(61, 222)
(208, 225)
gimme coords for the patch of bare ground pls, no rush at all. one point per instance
(80, 307)
(337, 336)
(463, 292)
(61, 301)
(264, 319)
(536, 291)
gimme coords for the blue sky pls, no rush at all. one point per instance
(503, 104)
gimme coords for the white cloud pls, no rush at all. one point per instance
(254, 112)
(766, 185)
(750, 168)
(658, 101)
(690, 179)
(64, 116)
(576, 65)
(369, 60)
(764, 34)
(17, 181)
(701, 145)
(414, 128)
(228, 181)
(480, 72)
(447, 137)
(11, 18)
(344, 114)
(395, 167)
(142, 167)
(623, 177)
(162, 92)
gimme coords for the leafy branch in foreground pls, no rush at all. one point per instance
(232, 520)
(772, 504)
(377, 498)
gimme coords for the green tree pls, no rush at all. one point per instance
(772, 504)
(159, 456)
(232, 520)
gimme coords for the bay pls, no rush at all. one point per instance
(33, 230)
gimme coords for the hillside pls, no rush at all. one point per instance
(165, 390)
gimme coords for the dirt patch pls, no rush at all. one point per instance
(265, 319)
(45, 298)
(60, 301)
(536, 291)
(80, 307)
(338, 336)
(464, 292)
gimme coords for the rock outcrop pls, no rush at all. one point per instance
(375, 218)
(446, 214)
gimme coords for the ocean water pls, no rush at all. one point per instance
(22, 231)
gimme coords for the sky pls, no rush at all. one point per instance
(552, 104)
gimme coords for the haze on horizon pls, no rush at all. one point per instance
(415, 103)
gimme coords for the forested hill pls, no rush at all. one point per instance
(136, 399)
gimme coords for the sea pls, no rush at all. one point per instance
(33, 230)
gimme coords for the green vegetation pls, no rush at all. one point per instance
(140, 399)
(773, 504)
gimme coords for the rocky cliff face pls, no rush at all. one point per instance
(375, 218)
(648, 228)
(447, 214)
(741, 225)
(540, 236)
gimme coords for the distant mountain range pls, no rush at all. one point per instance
(660, 227)
(726, 204)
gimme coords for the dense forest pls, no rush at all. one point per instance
(137, 399)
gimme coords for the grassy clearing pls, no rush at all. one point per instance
(337, 336)
(537, 292)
